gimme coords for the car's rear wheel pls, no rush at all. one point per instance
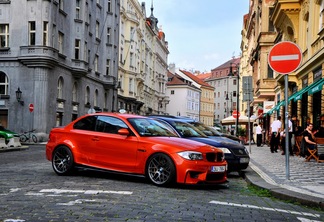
(160, 169)
(62, 160)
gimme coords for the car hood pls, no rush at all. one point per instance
(218, 142)
(178, 143)
(7, 133)
(222, 139)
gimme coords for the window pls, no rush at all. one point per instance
(60, 88)
(172, 92)
(108, 35)
(3, 84)
(61, 5)
(95, 101)
(4, 35)
(74, 92)
(77, 49)
(45, 33)
(77, 9)
(109, 124)
(131, 84)
(61, 42)
(270, 73)
(109, 6)
(88, 123)
(87, 95)
(96, 63)
(107, 66)
(32, 33)
(85, 52)
(131, 59)
(97, 29)
(121, 55)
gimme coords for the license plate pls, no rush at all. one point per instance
(217, 169)
(244, 160)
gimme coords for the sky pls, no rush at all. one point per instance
(201, 34)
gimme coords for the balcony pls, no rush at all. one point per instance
(79, 68)
(108, 82)
(38, 56)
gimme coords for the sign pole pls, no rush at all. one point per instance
(284, 58)
(287, 129)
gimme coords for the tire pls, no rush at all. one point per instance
(34, 138)
(23, 138)
(63, 161)
(160, 170)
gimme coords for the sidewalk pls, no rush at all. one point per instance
(305, 183)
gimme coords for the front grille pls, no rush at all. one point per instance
(214, 157)
(239, 152)
(215, 177)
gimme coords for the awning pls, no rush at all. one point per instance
(312, 88)
(316, 88)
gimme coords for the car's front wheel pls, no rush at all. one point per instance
(160, 169)
(62, 160)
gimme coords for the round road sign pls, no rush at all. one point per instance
(236, 114)
(285, 57)
(31, 107)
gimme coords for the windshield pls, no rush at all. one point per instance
(206, 129)
(150, 127)
(187, 130)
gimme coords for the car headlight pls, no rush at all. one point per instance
(225, 150)
(191, 155)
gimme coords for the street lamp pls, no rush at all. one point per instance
(18, 96)
(237, 93)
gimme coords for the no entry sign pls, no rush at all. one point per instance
(31, 107)
(236, 114)
(285, 57)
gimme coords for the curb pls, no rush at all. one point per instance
(252, 178)
(9, 149)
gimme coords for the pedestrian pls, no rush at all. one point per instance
(275, 135)
(283, 141)
(308, 139)
(290, 133)
(258, 131)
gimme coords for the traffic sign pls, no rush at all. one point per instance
(285, 57)
(236, 114)
(31, 107)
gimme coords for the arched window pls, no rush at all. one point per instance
(74, 92)
(95, 102)
(3, 84)
(87, 95)
(60, 88)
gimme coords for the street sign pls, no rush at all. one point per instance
(236, 114)
(31, 107)
(285, 57)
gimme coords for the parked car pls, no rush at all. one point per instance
(134, 145)
(236, 154)
(7, 134)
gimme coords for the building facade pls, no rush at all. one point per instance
(62, 56)
(300, 22)
(143, 68)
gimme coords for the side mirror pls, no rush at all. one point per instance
(123, 131)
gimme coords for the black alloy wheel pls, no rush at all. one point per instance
(62, 161)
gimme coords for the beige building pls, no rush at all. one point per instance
(143, 53)
(301, 22)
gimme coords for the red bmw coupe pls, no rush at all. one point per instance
(133, 144)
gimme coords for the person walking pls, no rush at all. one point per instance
(275, 135)
(258, 132)
(290, 131)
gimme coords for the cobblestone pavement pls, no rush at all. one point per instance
(31, 191)
(304, 178)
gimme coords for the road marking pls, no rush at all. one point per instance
(264, 208)
(91, 192)
(285, 57)
(79, 201)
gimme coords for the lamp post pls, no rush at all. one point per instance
(237, 93)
